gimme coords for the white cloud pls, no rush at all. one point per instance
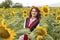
(1, 1)
(35, 2)
(55, 5)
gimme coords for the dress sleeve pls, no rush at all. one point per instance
(21, 37)
(24, 23)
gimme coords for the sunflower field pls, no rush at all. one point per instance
(12, 19)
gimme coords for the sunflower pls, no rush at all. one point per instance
(8, 34)
(33, 6)
(21, 10)
(5, 11)
(14, 13)
(39, 37)
(58, 11)
(58, 19)
(45, 15)
(41, 31)
(3, 15)
(1, 28)
(54, 14)
(45, 10)
(3, 23)
(24, 11)
(40, 8)
(24, 16)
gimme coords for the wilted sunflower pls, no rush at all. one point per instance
(24, 15)
(8, 34)
(45, 10)
(39, 37)
(41, 31)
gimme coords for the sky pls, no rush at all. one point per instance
(36, 2)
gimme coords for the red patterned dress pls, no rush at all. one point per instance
(31, 24)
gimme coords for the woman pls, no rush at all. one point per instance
(32, 21)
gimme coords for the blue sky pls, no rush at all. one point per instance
(37, 2)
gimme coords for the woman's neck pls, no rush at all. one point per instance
(33, 17)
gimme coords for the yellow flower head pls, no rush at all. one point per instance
(58, 18)
(24, 16)
(39, 37)
(54, 14)
(45, 15)
(33, 6)
(58, 11)
(2, 28)
(3, 23)
(41, 31)
(25, 11)
(14, 13)
(8, 34)
(45, 10)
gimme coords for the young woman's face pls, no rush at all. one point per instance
(34, 12)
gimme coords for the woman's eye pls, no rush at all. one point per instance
(33, 11)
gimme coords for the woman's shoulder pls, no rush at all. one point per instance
(27, 18)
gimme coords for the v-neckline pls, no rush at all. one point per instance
(31, 23)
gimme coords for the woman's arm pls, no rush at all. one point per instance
(24, 23)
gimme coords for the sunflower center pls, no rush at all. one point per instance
(39, 39)
(1, 30)
(41, 32)
(4, 23)
(45, 10)
(54, 14)
(58, 12)
(45, 14)
(58, 18)
(24, 15)
(24, 11)
(4, 33)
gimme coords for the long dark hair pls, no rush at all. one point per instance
(38, 12)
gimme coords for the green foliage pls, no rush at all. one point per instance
(53, 27)
(17, 5)
(16, 23)
(6, 4)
